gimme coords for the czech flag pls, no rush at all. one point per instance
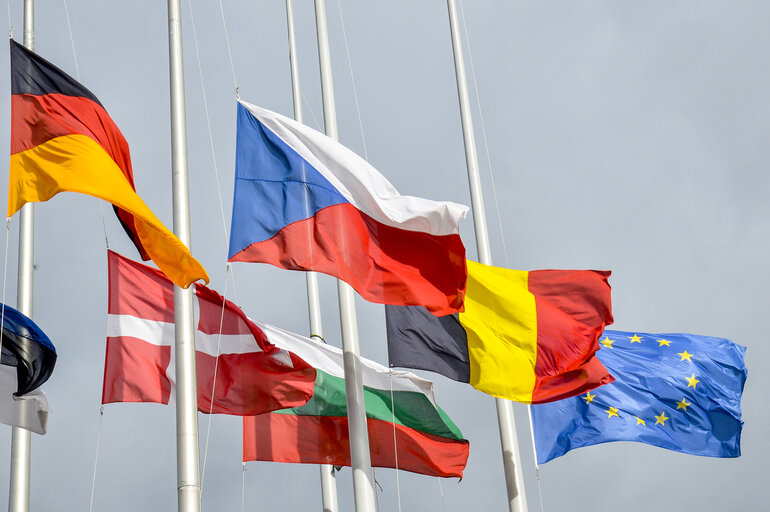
(63, 140)
(305, 202)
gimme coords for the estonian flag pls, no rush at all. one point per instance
(28, 358)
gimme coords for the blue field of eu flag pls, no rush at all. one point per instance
(676, 391)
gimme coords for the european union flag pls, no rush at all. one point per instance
(676, 391)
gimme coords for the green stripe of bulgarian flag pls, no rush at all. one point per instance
(412, 410)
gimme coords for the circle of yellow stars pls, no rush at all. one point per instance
(692, 382)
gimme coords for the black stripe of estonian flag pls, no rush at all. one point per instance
(26, 347)
(417, 339)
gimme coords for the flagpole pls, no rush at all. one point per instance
(514, 479)
(363, 487)
(21, 439)
(188, 457)
(328, 480)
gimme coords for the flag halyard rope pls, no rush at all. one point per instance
(229, 53)
(10, 25)
(214, 382)
(243, 487)
(484, 133)
(77, 75)
(96, 457)
(352, 80)
(499, 215)
(217, 178)
(5, 279)
(395, 446)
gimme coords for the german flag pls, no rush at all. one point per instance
(63, 140)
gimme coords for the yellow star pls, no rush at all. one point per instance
(692, 381)
(612, 411)
(685, 355)
(640, 421)
(661, 420)
(607, 342)
(589, 397)
(636, 339)
(664, 342)
(683, 404)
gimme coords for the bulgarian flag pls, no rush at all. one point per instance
(407, 430)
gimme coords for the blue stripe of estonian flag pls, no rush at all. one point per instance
(26, 347)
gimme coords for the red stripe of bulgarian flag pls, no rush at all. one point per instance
(62, 140)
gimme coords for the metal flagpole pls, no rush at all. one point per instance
(363, 487)
(21, 439)
(187, 454)
(514, 479)
(328, 480)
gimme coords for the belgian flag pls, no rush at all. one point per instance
(530, 337)
(63, 140)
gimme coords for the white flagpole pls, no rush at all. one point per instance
(328, 479)
(363, 486)
(21, 439)
(514, 479)
(187, 456)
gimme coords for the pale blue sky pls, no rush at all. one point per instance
(629, 136)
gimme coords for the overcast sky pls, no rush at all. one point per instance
(629, 136)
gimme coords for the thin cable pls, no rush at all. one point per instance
(214, 383)
(208, 122)
(77, 75)
(96, 457)
(484, 132)
(229, 53)
(104, 225)
(72, 40)
(376, 494)
(243, 487)
(312, 114)
(534, 454)
(395, 445)
(10, 26)
(5, 278)
(352, 80)
(441, 491)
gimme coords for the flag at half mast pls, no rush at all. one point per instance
(676, 391)
(239, 369)
(530, 337)
(407, 429)
(63, 140)
(303, 201)
(28, 359)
